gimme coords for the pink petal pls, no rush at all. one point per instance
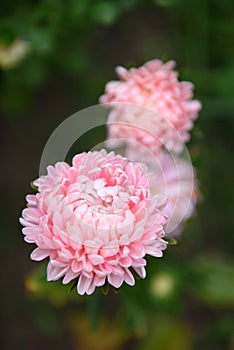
(96, 259)
(76, 266)
(91, 289)
(137, 250)
(140, 271)
(128, 277)
(99, 281)
(39, 254)
(70, 275)
(115, 280)
(150, 250)
(54, 273)
(84, 284)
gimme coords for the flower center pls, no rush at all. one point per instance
(107, 201)
(107, 195)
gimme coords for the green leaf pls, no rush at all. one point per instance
(170, 240)
(35, 188)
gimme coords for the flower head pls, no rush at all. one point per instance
(95, 220)
(168, 109)
(176, 178)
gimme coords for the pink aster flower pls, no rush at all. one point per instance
(181, 190)
(155, 87)
(96, 220)
(174, 177)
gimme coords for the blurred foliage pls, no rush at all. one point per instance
(107, 335)
(150, 309)
(39, 289)
(168, 334)
(53, 51)
(213, 280)
(59, 34)
(62, 37)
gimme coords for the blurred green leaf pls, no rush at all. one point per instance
(169, 334)
(55, 292)
(165, 2)
(135, 314)
(105, 12)
(42, 40)
(213, 281)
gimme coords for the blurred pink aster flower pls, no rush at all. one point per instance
(155, 87)
(173, 177)
(95, 220)
(181, 189)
